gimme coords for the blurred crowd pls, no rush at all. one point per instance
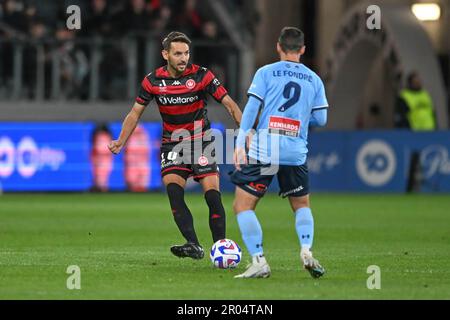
(110, 20)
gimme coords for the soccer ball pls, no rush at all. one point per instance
(225, 254)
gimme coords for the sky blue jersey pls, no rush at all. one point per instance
(289, 93)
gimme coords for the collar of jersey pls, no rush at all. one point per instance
(164, 74)
(297, 62)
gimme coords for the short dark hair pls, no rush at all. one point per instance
(175, 36)
(291, 39)
(411, 76)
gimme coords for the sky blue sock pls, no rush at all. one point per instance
(251, 232)
(304, 224)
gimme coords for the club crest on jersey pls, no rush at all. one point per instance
(203, 161)
(190, 84)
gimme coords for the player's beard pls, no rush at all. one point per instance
(181, 67)
(178, 68)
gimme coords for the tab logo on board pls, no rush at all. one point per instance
(376, 163)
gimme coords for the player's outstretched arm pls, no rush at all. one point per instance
(233, 109)
(248, 120)
(128, 126)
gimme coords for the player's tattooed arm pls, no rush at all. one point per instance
(233, 109)
(128, 126)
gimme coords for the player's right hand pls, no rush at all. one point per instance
(115, 146)
(239, 158)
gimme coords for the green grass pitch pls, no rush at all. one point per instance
(121, 244)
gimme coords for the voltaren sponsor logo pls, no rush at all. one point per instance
(177, 100)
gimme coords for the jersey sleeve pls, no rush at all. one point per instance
(318, 118)
(320, 100)
(145, 94)
(249, 116)
(214, 87)
(258, 87)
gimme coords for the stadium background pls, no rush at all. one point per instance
(50, 75)
(64, 94)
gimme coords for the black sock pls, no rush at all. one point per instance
(216, 214)
(181, 213)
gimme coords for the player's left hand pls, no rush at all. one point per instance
(239, 157)
(115, 146)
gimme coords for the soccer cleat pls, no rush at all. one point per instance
(191, 250)
(259, 268)
(311, 265)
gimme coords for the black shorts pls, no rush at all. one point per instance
(187, 159)
(293, 181)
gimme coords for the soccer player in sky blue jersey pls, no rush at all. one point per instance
(289, 98)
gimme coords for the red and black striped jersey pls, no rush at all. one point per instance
(182, 101)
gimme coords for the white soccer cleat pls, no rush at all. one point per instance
(259, 268)
(310, 264)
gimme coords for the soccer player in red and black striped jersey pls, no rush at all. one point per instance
(180, 90)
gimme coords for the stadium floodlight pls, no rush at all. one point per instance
(426, 11)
